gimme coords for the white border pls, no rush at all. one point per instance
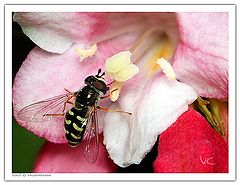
(119, 8)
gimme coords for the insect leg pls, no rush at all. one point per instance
(103, 97)
(67, 90)
(68, 101)
(54, 115)
(109, 110)
(110, 83)
(64, 107)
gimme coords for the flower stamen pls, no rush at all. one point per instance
(115, 90)
(116, 33)
(155, 40)
(167, 68)
(142, 38)
(120, 69)
(162, 49)
(85, 53)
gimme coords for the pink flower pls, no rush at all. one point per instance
(201, 58)
(154, 101)
(66, 159)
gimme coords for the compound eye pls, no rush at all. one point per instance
(101, 86)
(89, 80)
(98, 85)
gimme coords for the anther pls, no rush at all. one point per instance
(167, 68)
(85, 53)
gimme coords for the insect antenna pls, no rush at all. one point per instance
(98, 74)
(99, 71)
(102, 74)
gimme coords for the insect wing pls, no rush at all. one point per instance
(46, 110)
(91, 147)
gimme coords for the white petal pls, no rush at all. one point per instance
(47, 40)
(155, 106)
(57, 31)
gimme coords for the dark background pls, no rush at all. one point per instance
(26, 145)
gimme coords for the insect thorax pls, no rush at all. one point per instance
(87, 96)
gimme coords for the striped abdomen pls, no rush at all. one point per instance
(75, 125)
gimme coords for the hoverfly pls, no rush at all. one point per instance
(80, 121)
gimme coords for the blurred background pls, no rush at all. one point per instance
(26, 145)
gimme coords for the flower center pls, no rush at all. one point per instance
(155, 44)
(120, 66)
(146, 42)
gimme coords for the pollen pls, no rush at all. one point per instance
(85, 53)
(167, 68)
(115, 90)
(120, 68)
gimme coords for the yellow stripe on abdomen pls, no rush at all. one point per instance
(77, 128)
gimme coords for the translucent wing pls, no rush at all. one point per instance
(47, 109)
(91, 143)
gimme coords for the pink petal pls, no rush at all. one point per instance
(191, 145)
(44, 75)
(201, 58)
(56, 32)
(60, 158)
